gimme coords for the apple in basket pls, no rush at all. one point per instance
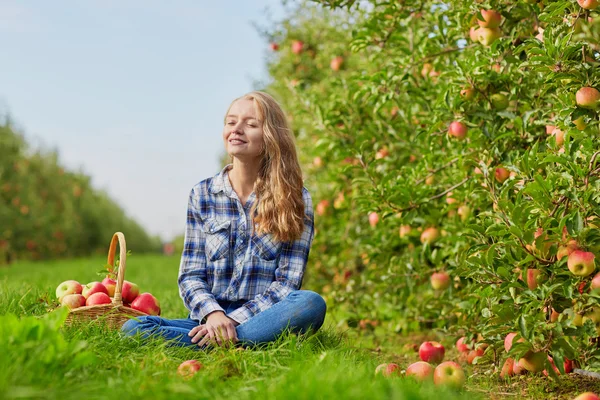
(129, 292)
(110, 285)
(68, 287)
(98, 299)
(146, 303)
(72, 301)
(92, 288)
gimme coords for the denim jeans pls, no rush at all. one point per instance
(299, 311)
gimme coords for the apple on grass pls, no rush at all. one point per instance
(388, 370)
(146, 303)
(432, 352)
(461, 346)
(188, 368)
(473, 354)
(440, 280)
(92, 288)
(72, 301)
(449, 374)
(420, 370)
(581, 263)
(587, 396)
(98, 299)
(110, 285)
(129, 292)
(533, 361)
(68, 287)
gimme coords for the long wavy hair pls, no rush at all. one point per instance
(278, 187)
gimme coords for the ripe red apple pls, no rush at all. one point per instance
(373, 218)
(477, 352)
(68, 287)
(274, 46)
(72, 301)
(487, 36)
(388, 370)
(382, 153)
(534, 277)
(97, 299)
(581, 263)
(596, 282)
(501, 174)
(93, 287)
(508, 341)
(146, 303)
(457, 129)
(588, 4)
(297, 46)
(449, 374)
(430, 235)
(533, 361)
(421, 370)
(336, 63)
(110, 285)
(491, 19)
(507, 368)
(318, 162)
(587, 396)
(130, 291)
(440, 280)
(473, 34)
(461, 346)
(431, 352)
(188, 368)
(564, 251)
(588, 97)
(467, 93)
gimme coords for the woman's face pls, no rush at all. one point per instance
(243, 132)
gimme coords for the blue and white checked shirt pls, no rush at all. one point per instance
(221, 261)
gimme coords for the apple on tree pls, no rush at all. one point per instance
(297, 46)
(440, 280)
(457, 129)
(430, 235)
(588, 4)
(588, 97)
(489, 19)
(581, 263)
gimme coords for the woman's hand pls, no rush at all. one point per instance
(219, 329)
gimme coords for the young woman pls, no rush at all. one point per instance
(247, 240)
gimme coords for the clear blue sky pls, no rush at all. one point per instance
(132, 92)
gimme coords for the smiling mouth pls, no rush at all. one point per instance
(236, 141)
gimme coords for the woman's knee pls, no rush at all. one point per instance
(312, 301)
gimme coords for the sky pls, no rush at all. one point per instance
(132, 92)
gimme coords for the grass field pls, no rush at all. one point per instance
(41, 360)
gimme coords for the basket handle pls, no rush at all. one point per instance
(120, 238)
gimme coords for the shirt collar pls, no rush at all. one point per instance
(220, 182)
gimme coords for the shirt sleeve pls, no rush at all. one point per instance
(193, 286)
(289, 272)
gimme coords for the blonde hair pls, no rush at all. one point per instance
(278, 187)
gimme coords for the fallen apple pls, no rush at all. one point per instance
(432, 352)
(188, 368)
(388, 370)
(449, 374)
(420, 370)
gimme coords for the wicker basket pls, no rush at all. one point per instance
(115, 314)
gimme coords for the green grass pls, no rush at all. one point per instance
(39, 360)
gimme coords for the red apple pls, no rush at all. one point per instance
(533, 361)
(473, 34)
(188, 368)
(382, 153)
(110, 285)
(587, 396)
(588, 4)
(491, 19)
(421, 370)
(487, 36)
(68, 287)
(474, 354)
(322, 206)
(297, 46)
(72, 301)
(336, 63)
(373, 218)
(588, 97)
(564, 251)
(596, 282)
(534, 277)
(508, 341)
(93, 287)
(449, 374)
(388, 370)
(501, 174)
(404, 230)
(440, 280)
(581, 263)
(431, 352)
(130, 291)
(430, 235)
(507, 368)
(146, 303)
(457, 129)
(461, 346)
(274, 46)
(98, 298)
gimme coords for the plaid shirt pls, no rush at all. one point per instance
(222, 261)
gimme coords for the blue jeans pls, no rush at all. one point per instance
(300, 311)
